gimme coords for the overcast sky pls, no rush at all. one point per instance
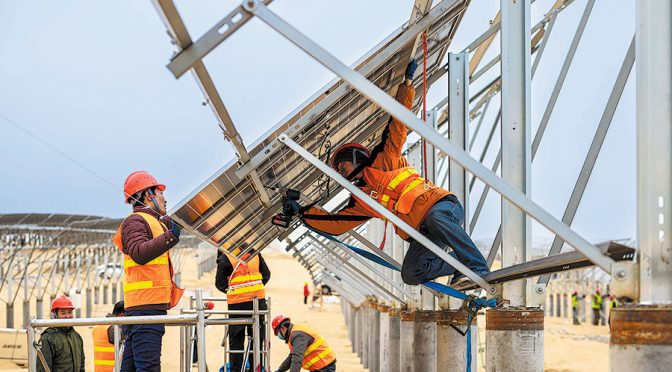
(89, 80)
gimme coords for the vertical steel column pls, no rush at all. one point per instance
(451, 347)
(641, 336)
(384, 337)
(117, 347)
(558, 307)
(358, 331)
(458, 116)
(406, 344)
(32, 353)
(393, 354)
(374, 338)
(26, 299)
(516, 160)
(514, 339)
(256, 324)
(424, 338)
(200, 331)
(88, 288)
(366, 328)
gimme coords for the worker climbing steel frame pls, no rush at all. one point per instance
(382, 99)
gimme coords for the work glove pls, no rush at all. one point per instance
(290, 207)
(410, 69)
(172, 226)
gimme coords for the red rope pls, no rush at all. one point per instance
(424, 101)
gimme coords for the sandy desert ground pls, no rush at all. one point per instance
(567, 347)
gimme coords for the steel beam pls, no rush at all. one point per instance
(458, 133)
(516, 124)
(178, 32)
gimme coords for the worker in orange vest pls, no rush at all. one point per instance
(385, 175)
(242, 282)
(145, 237)
(103, 342)
(307, 349)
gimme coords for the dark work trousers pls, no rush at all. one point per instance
(330, 368)
(443, 226)
(142, 348)
(596, 316)
(305, 300)
(237, 335)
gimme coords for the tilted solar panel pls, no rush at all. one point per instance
(226, 210)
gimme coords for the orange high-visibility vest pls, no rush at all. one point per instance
(397, 189)
(245, 282)
(103, 350)
(318, 354)
(151, 283)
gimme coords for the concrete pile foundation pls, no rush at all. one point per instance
(641, 338)
(514, 339)
(374, 338)
(384, 335)
(392, 358)
(406, 345)
(424, 341)
(451, 346)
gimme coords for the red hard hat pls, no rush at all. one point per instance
(138, 181)
(62, 302)
(279, 319)
(348, 146)
(209, 305)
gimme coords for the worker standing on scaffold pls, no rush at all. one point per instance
(385, 175)
(145, 237)
(242, 282)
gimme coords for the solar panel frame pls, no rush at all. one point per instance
(226, 211)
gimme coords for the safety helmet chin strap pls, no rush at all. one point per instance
(151, 196)
(358, 167)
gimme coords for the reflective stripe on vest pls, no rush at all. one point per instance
(103, 350)
(397, 189)
(151, 283)
(318, 354)
(245, 282)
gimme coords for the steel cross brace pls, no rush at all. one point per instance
(389, 104)
(349, 295)
(363, 263)
(182, 39)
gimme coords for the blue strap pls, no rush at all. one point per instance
(478, 302)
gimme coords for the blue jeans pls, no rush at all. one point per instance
(443, 226)
(142, 348)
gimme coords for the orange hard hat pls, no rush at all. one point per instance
(138, 181)
(209, 305)
(347, 152)
(62, 302)
(277, 321)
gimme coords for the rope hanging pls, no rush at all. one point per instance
(424, 103)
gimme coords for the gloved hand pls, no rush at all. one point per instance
(175, 229)
(410, 69)
(290, 207)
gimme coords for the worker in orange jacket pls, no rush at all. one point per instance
(385, 175)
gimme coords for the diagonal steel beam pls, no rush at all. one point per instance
(178, 31)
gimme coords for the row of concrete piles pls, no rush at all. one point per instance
(391, 339)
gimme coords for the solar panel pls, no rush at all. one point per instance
(226, 210)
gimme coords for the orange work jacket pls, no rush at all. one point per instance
(103, 350)
(318, 354)
(151, 283)
(245, 282)
(390, 180)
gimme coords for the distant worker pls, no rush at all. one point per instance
(596, 306)
(306, 293)
(103, 342)
(61, 347)
(385, 175)
(242, 283)
(145, 237)
(612, 305)
(575, 308)
(307, 349)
